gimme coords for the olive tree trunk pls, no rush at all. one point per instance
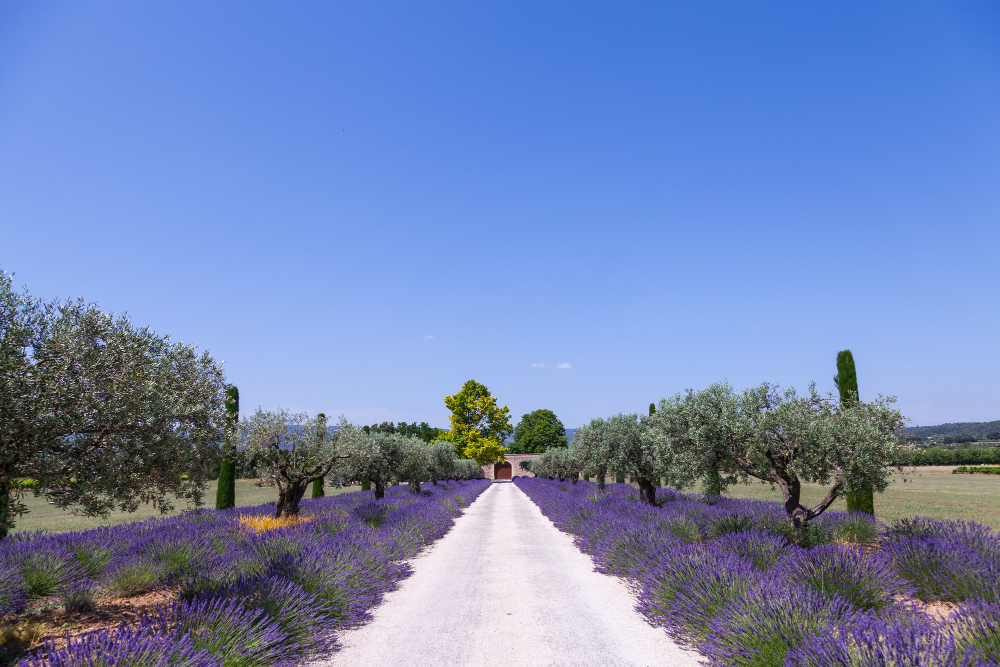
(289, 498)
(647, 491)
(6, 506)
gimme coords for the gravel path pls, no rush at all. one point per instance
(505, 587)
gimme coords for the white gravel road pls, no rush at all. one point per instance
(505, 587)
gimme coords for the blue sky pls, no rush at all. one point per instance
(359, 206)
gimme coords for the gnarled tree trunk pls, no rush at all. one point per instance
(289, 499)
(647, 491)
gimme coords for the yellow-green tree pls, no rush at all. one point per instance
(478, 426)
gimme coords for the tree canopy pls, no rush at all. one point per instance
(478, 426)
(592, 445)
(292, 449)
(103, 414)
(384, 458)
(780, 438)
(537, 431)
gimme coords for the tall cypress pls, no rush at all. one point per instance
(652, 409)
(861, 499)
(226, 495)
(317, 490)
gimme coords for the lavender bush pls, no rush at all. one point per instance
(871, 642)
(726, 577)
(247, 597)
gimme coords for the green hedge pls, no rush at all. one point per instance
(984, 470)
(940, 456)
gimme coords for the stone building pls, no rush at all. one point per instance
(509, 468)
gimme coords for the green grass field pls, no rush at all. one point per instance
(930, 491)
(43, 516)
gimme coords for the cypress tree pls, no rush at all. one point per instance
(862, 499)
(226, 495)
(652, 409)
(619, 478)
(317, 490)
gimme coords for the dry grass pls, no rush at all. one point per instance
(43, 516)
(930, 491)
(260, 524)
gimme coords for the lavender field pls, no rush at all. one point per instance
(723, 577)
(245, 593)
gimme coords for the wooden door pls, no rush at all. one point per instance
(502, 470)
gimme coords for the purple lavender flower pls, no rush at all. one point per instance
(248, 599)
(760, 548)
(761, 625)
(871, 642)
(865, 579)
(132, 646)
(13, 594)
(690, 584)
(943, 569)
(977, 629)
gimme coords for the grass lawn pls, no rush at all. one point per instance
(930, 491)
(43, 516)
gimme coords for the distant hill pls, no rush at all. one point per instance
(979, 430)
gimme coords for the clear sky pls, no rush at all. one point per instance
(359, 206)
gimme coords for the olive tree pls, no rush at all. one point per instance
(379, 457)
(414, 462)
(592, 444)
(781, 438)
(693, 436)
(291, 449)
(103, 414)
(633, 453)
(468, 469)
(559, 462)
(441, 460)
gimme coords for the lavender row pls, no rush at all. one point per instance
(723, 576)
(272, 597)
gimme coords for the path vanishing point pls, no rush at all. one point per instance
(506, 587)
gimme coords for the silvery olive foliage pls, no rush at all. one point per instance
(374, 456)
(633, 453)
(593, 445)
(442, 462)
(693, 433)
(415, 463)
(104, 414)
(389, 458)
(292, 449)
(467, 469)
(778, 437)
(557, 462)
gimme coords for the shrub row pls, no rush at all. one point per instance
(984, 470)
(247, 597)
(721, 575)
(940, 456)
